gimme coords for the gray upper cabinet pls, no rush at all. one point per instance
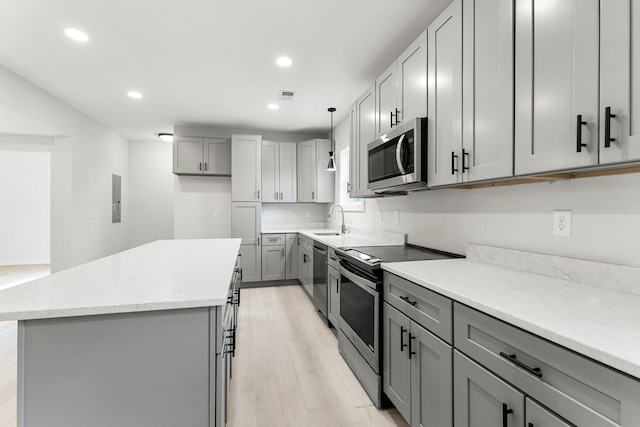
(482, 399)
(246, 168)
(279, 183)
(619, 81)
(487, 96)
(365, 132)
(315, 183)
(201, 156)
(556, 85)
(445, 96)
(401, 91)
(353, 153)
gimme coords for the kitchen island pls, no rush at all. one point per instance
(133, 339)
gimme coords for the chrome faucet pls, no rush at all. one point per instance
(344, 227)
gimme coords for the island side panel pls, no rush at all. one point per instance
(133, 369)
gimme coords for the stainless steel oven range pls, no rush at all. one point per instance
(360, 333)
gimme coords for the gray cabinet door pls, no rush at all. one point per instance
(386, 100)
(396, 370)
(445, 96)
(288, 172)
(353, 154)
(307, 171)
(245, 223)
(538, 416)
(187, 155)
(334, 296)
(557, 69)
(246, 168)
(487, 137)
(270, 171)
(217, 156)
(412, 80)
(431, 379)
(365, 133)
(481, 399)
(620, 80)
(273, 262)
(291, 261)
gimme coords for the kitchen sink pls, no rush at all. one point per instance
(327, 234)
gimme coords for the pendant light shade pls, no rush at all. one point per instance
(332, 163)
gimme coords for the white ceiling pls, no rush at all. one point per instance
(208, 62)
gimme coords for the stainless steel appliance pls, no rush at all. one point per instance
(320, 293)
(398, 160)
(360, 334)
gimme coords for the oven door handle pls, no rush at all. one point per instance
(358, 280)
(398, 157)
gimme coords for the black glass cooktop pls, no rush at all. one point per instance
(377, 254)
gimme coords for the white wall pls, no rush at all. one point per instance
(196, 201)
(84, 155)
(25, 206)
(293, 214)
(150, 191)
(605, 217)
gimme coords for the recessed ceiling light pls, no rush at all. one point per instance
(76, 35)
(166, 137)
(273, 106)
(284, 61)
(135, 95)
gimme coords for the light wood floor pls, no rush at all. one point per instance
(11, 275)
(287, 370)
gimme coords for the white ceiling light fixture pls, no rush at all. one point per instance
(76, 35)
(166, 137)
(273, 106)
(284, 61)
(134, 94)
(331, 167)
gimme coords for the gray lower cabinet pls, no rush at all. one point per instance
(538, 416)
(482, 399)
(273, 262)
(291, 254)
(417, 371)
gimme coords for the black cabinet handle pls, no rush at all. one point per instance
(607, 127)
(579, 124)
(238, 297)
(512, 358)
(505, 411)
(465, 153)
(408, 301)
(402, 332)
(200, 165)
(391, 118)
(530, 425)
(454, 169)
(411, 338)
(205, 166)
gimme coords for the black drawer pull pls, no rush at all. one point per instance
(579, 124)
(408, 301)
(402, 332)
(505, 411)
(512, 357)
(607, 127)
(411, 338)
(454, 159)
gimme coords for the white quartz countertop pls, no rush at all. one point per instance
(163, 275)
(600, 323)
(349, 239)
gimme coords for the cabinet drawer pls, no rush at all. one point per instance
(427, 308)
(306, 243)
(273, 239)
(581, 390)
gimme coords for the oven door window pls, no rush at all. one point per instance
(357, 308)
(393, 158)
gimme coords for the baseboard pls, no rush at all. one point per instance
(268, 283)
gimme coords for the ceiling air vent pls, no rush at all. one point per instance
(287, 94)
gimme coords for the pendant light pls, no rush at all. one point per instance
(332, 163)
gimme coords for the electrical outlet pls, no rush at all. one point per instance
(562, 223)
(91, 214)
(216, 214)
(307, 214)
(379, 215)
(265, 214)
(396, 216)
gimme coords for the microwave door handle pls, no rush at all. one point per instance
(398, 159)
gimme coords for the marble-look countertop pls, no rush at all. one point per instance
(598, 322)
(163, 275)
(351, 239)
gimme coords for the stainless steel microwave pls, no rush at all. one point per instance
(398, 160)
